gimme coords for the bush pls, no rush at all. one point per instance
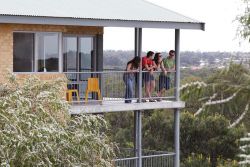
(198, 160)
(36, 129)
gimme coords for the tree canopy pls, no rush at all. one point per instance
(225, 92)
(244, 19)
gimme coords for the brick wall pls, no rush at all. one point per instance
(6, 43)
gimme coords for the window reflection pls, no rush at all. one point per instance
(23, 52)
(48, 53)
(42, 57)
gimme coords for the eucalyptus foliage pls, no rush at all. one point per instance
(245, 151)
(244, 20)
(36, 129)
(225, 92)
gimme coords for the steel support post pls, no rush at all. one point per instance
(135, 133)
(99, 59)
(177, 98)
(137, 114)
(140, 97)
(137, 96)
(139, 54)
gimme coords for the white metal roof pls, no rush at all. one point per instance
(128, 11)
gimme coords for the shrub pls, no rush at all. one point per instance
(198, 160)
(36, 129)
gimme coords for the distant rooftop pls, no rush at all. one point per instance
(124, 13)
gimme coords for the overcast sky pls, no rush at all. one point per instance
(220, 33)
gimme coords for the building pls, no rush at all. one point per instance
(52, 39)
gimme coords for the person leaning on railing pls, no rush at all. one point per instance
(159, 67)
(164, 78)
(148, 65)
(129, 77)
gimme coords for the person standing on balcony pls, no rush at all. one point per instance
(169, 66)
(148, 66)
(159, 66)
(158, 62)
(129, 77)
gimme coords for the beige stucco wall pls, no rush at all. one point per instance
(6, 43)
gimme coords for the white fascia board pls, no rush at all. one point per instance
(100, 23)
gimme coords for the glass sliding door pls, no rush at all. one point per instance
(86, 64)
(70, 57)
(47, 57)
(86, 53)
(78, 56)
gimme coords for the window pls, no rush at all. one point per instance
(23, 50)
(36, 52)
(47, 52)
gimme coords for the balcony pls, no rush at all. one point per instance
(113, 89)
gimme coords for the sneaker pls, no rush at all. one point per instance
(128, 101)
(159, 99)
(152, 100)
(142, 100)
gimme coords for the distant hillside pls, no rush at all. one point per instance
(118, 59)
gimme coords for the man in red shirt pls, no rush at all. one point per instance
(148, 66)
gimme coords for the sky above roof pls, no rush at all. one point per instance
(220, 33)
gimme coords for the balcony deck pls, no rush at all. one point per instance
(113, 90)
(120, 106)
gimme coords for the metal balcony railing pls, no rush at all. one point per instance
(149, 159)
(122, 86)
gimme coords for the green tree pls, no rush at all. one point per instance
(122, 125)
(206, 135)
(210, 136)
(36, 129)
(226, 92)
(244, 19)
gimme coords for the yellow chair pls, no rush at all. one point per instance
(69, 94)
(93, 86)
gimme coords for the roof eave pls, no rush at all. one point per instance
(100, 22)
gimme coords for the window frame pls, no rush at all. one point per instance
(60, 42)
(78, 36)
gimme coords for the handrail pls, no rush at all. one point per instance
(159, 155)
(83, 72)
(108, 72)
(147, 156)
(125, 159)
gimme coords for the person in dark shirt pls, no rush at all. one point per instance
(129, 77)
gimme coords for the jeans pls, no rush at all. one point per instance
(164, 82)
(129, 81)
